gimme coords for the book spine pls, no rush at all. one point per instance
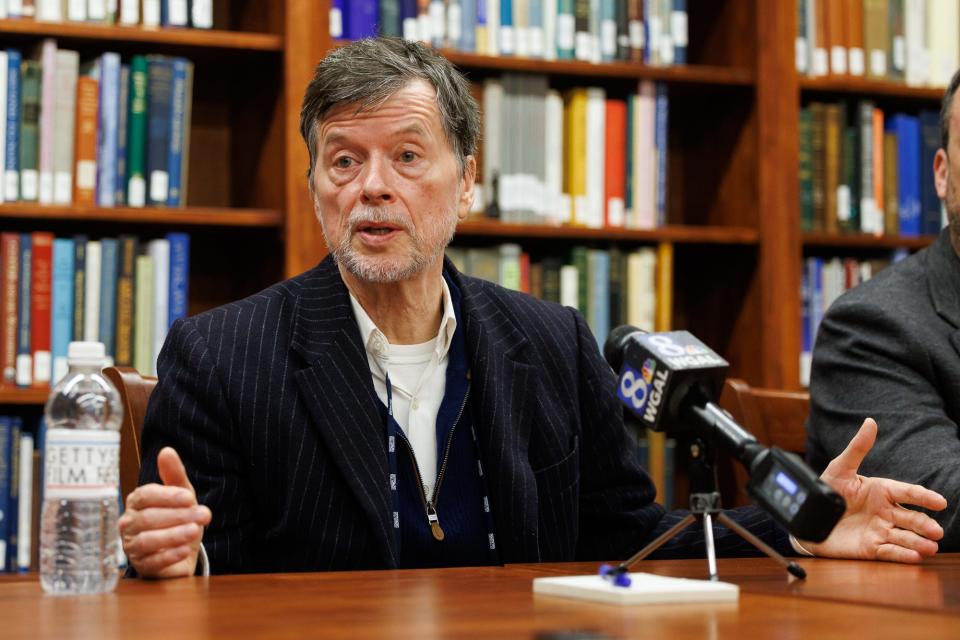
(107, 328)
(174, 13)
(79, 285)
(29, 126)
(10, 256)
(615, 163)
(566, 30)
(151, 13)
(130, 12)
(61, 305)
(41, 282)
(179, 276)
(88, 101)
(678, 31)
(390, 18)
(68, 64)
(48, 110)
(137, 133)
(143, 315)
(11, 173)
(805, 169)
(178, 100)
(159, 251)
(24, 350)
(123, 115)
(13, 500)
(6, 431)
(91, 296)
(125, 301)
(109, 122)
(24, 533)
(3, 117)
(159, 89)
(362, 19)
(660, 141)
(201, 14)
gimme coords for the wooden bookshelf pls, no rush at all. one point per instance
(23, 397)
(182, 39)
(187, 216)
(686, 234)
(865, 241)
(862, 87)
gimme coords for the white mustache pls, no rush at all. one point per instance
(364, 216)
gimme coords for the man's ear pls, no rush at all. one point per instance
(466, 192)
(941, 166)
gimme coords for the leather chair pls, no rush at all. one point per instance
(775, 417)
(135, 392)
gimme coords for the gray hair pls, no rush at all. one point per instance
(945, 110)
(367, 72)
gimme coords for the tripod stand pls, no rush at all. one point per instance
(705, 503)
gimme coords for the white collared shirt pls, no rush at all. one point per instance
(418, 380)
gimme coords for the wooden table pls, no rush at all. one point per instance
(839, 599)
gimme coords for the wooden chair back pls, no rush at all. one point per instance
(135, 392)
(775, 417)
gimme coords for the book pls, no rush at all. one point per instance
(41, 283)
(645, 588)
(3, 118)
(29, 130)
(159, 101)
(47, 132)
(201, 14)
(109, 268)
(61, 306)
(13, 495)
(143, 356)
(79, 285)
(123, 106)
(137, 133)
(25, 512)
(68, 68)
(85, 148)
(91, 296)
(178, 126)
(615, 163)
(11, 125)
(159, 251)
(126, 279)
(24, 330)
(6, 433)
(109, 122)
(10, 272)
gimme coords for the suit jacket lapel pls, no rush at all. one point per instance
(943, 281)
(337, 389)
(502, 384)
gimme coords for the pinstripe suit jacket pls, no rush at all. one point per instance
(270, 403)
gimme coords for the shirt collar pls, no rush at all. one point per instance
(376, 343)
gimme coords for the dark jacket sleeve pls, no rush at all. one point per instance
(618, 514)
(188, 412)
(874, 362)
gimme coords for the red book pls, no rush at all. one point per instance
(615, 164)
(40, 286)
(525, 272)
(9, 291)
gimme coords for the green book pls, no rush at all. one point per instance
(29, 129)
(850, 180)
(390, 18)
(143, 358)
(806, 170)
(137, 133)
(578, 258)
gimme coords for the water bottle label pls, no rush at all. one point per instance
(81, 464)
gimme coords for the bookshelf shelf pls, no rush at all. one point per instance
(691, 74)
(864, 241)
(858, 87)
(23, 397)
(181, 38)
(188, 216)
(672, 233)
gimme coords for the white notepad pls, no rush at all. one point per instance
(645, 588)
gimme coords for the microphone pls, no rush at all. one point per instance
(669, 380)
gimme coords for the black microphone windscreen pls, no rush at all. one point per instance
(616, 342)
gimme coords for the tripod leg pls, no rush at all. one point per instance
(708, 539)
(790, 566)
(624, 566)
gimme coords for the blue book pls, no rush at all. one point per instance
(598, 265)
(61, 305)
(11, 175)
(537, 46)
(806, 333)
(178, 105)
(608, 38)
(6, 433)
(678, 31)
(508, 46)
(120, 198)
(566, 30)
(931, 219)
(660, 143)
(159, 89)
(109, 272)
(815, 282)
(179, 276)
(907, 129)
(408, 19)
(628, 194)
(648, 9)
(362, 18)
(24, 330)
(13, 496)
(109, 125)
(468, 26)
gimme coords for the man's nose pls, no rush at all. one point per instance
(376, 183)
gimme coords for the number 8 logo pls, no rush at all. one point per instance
(634, 389)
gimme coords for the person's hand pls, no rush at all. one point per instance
(875, 526)
(162, 525)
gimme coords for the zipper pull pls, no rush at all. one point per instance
(434, 521)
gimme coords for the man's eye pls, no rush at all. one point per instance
(408, 156)
(343, 162)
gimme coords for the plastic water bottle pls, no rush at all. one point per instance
(78, 531)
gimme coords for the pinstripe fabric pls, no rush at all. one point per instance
(271, 405)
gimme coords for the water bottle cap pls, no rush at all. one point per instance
(86, 353)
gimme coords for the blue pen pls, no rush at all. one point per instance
(614, 575)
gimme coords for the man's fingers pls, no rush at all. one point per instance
(162, 518)
(158, 495)
(857, 449)
(910, 541)
(172, 471)
(894, 553)
(906, 493)
(162, 564)
(147, 543)
(917, 522)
